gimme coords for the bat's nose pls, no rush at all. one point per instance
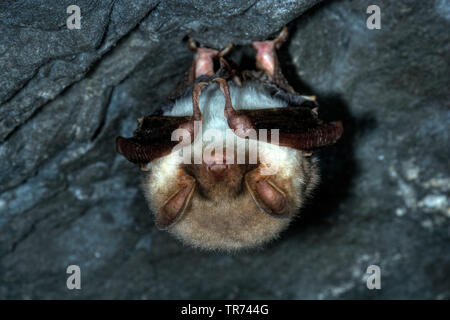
(217, 165)
(217, 171)
(217, 174)
(215, 158)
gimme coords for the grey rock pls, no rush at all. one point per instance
(67, 198)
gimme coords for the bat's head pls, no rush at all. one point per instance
(216, 205)
(239, 174)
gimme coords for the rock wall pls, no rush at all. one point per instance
(67, 198)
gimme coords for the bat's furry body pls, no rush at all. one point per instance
(214, 205)
(252, 95)
(230, 221)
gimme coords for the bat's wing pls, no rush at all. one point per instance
(299, 127)
(152, 139)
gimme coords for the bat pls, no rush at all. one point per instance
(228, 161)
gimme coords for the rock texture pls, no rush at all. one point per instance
(67, 198)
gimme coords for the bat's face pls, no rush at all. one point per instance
(231, 161)
(220, 203)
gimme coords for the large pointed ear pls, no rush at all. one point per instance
(153, 138)
(176, 205)
(299, 127)
(267, 195)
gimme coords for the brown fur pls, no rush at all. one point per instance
(216, 207)
(226, 217)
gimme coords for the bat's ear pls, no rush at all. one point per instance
(174, 208)
(267, 195)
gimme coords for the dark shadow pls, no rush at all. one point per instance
(338, 166)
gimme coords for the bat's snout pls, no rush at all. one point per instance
(218, 171)
(218, 166)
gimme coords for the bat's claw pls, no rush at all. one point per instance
(203, 59)
(192, 45)
(310, 98)
(222, 53)
(281, 37)
(266, 57)
(226, 50)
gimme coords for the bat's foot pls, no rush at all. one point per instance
(202, 64)
(204, 58)
(266, 56)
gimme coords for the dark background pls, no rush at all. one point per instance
(67, 198)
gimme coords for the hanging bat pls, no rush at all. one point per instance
(203, 179)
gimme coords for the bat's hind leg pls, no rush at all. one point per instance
(202, 65)
(267, 60)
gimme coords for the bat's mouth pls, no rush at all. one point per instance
(216, 178)
(228, 203)
(218, 181)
